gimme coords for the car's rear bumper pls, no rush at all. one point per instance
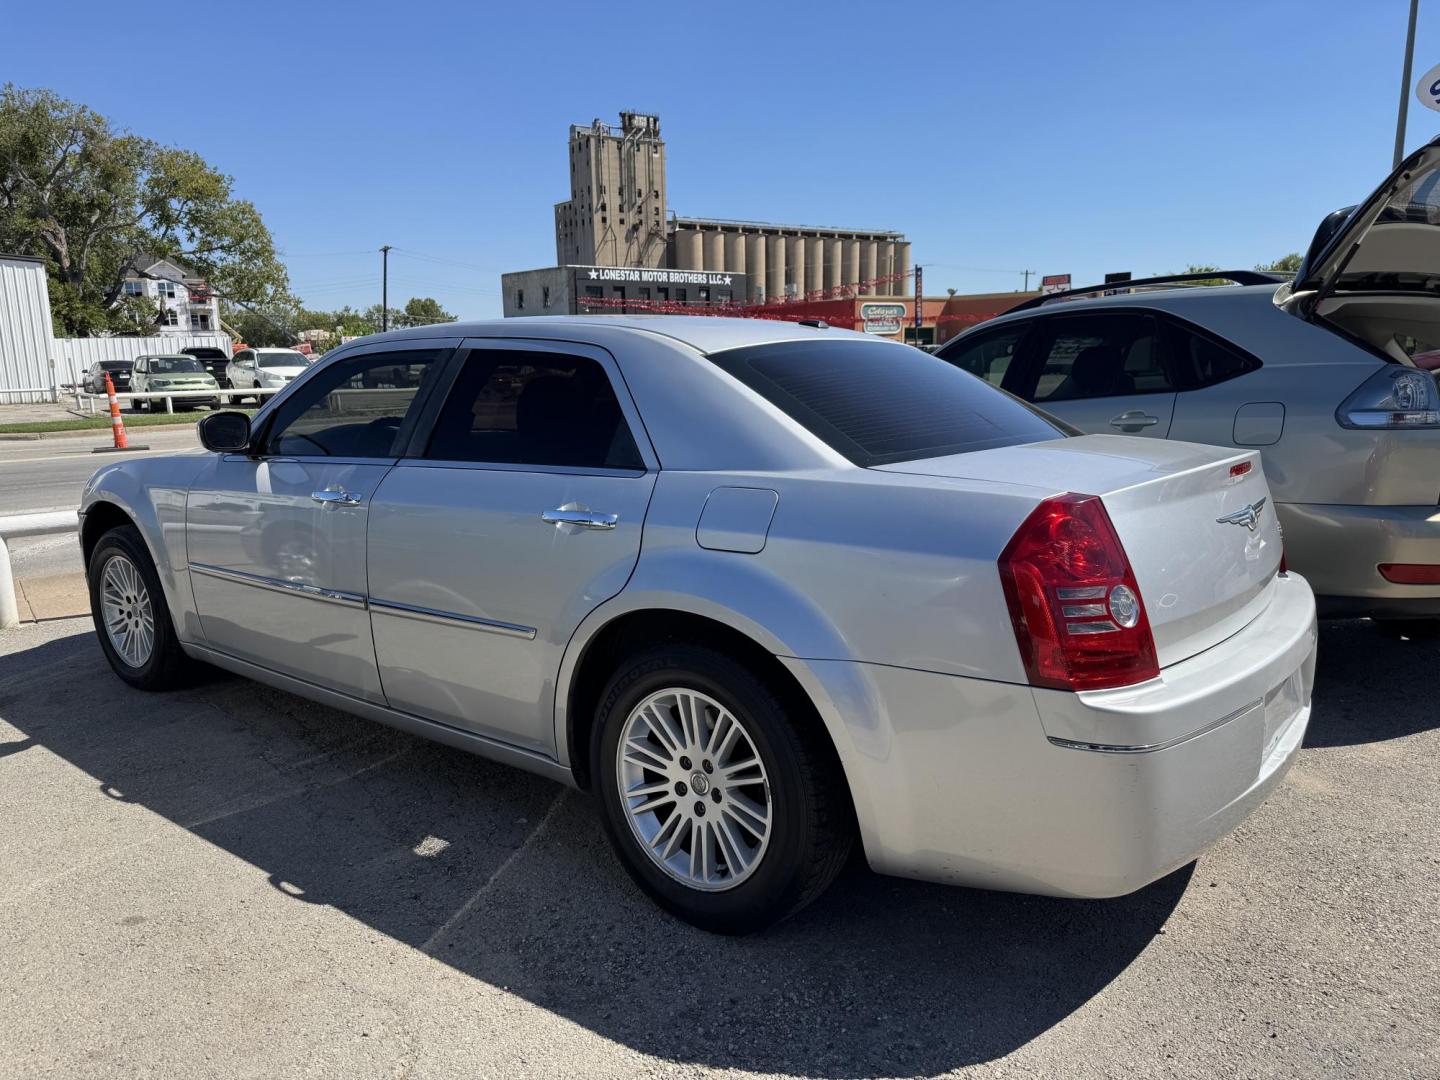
(1096, 794)
(1340, 549)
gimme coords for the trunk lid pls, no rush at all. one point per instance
(1197, 525)
(1390, 242)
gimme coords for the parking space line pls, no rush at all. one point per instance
(465, 908)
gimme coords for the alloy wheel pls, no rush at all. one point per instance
(694, 789)
(127, 610)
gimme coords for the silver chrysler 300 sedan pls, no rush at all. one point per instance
(763, 588)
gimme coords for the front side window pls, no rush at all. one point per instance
(987, 356)
(519, 407)
(355, 408)
(878, 403)
(1101, 355)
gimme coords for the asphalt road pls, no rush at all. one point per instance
(48, 474)
(230, 882)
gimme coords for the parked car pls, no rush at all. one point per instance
(762, 588)
(212, 357)
(267, 368)
(156, 373)
(118, 370)
(1318, 375)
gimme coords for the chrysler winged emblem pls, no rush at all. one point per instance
(1249, 516)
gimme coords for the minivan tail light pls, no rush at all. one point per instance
(1079, 619)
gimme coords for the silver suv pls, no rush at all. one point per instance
(1327, 376)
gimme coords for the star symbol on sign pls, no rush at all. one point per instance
(594, 274)
(727, 279)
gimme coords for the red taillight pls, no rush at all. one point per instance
(1079, 619)
(1410, 573)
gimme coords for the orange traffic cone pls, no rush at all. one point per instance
(117, 423)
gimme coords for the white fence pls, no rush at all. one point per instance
(14, 527)
(99, 402)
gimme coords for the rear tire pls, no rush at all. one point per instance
(737, 829)
(131, 617)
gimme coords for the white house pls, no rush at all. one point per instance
(187, 306)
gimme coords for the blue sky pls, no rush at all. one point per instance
(1056, 137)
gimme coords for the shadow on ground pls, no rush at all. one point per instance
(420, 842)
(1370, 687)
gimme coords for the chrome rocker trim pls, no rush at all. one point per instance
(450, 618)
(293, 588)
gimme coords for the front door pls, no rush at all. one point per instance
(502, 529)
(276, 539)
(1103, 372)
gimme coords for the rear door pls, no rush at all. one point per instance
(1102, 371)
(516, 512)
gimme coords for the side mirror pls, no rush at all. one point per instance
(225, 432)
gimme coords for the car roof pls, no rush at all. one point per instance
(278, 348)
(165, 356)
(705, 333)
(1179, 300)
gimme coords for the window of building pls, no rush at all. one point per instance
(519, 299)
(704, 294)
(165, 289)
(134, 288)
(644, 294)
(664, 294)
(199, 320)
(531, 408)
(681, 296)
(545, 296)
(169, 317)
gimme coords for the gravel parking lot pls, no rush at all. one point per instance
(230, 881)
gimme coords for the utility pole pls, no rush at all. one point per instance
(1405, 86)
(1027, 274)
(384, 288)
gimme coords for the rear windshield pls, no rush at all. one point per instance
(116, 365)
(878, 402)
(280, 359)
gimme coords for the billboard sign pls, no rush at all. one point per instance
(883, 318)
(1053, 283)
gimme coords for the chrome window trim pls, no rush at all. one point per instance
(1150, 748)
(291, 588)
(450, 618)
(517, 467)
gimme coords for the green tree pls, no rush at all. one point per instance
(90, 200)
(420, 310)
(1287, 264)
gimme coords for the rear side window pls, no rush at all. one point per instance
(878, 403)
(1200, 361)
(515, 407)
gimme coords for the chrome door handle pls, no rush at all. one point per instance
(1134, 421)
(330, 497)
(586, 519)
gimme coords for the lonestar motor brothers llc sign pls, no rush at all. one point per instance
(653, 276)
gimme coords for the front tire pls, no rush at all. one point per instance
(727, 810)
(131, 617)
